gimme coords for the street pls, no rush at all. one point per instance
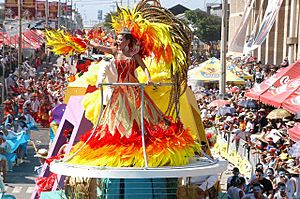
(20, 182)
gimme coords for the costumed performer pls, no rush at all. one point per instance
(117, 140)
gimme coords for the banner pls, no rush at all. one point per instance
(11, 9)
(63, 8)
(266, 24)
(53, 10)
(40, 10)
(238, 41)
(28, 11)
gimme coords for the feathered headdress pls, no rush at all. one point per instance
(61, 42)
(162, 37)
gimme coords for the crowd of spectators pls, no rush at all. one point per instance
(277, 173)
(28, 99)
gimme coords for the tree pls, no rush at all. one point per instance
(206, 27)
(107, 19)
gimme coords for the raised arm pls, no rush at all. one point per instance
(139, 60)
(110, 50)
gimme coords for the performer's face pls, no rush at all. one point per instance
(121, 41)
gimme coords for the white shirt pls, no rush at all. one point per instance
(109, 74)
(278, 196)
(35, 106)
(249, 126)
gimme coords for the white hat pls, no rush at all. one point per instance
(228, 119)
(41, 153)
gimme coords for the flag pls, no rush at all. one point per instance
(238, 41)
(266, 24)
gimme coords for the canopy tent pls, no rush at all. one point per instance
(277, 96)
(281, 77)
(238, 71)
(292, 104)
(294, 133)
(210, 71)
(30, 39)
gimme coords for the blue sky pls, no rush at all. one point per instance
(89, 8)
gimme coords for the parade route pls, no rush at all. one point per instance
(20, 183)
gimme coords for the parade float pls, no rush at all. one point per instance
(124, 134)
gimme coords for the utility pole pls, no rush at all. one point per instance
(20, 37)
(47, 13)
(121, 3)
(66, 18)
(292, 39)
(224, 47)
(46, 26)
(71, 21)
(3, 66)
(59, 14)
(128, 3)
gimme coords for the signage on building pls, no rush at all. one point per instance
(40, 10)
(11, 9)
(28, 11)
(100, 14)
(53, 10)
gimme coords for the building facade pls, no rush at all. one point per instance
(284, 37)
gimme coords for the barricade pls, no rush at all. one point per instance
(237, 153)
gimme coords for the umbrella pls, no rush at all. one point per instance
(57, 112)
(297, 116)
(235, 89)
(218, 103)
(226, 111)
(278, 114)
(251, 59)
(295, 150)
(224, 96)
(247, 104)
(206, 92)
(294, 133)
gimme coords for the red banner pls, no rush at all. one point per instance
(28, 11)
(40, 10)
(11, 9)
(53, 10)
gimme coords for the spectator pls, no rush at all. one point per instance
(271, 176)
(285, 63)
(236, 173)
(281, 192)
(236, 191)
(3, 159)
(257, 192)
(268, 187)
(42, 155)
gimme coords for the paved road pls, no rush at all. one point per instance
(20, 182)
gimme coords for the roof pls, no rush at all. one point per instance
(178, 9)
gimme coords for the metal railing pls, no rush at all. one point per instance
(142, 87)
